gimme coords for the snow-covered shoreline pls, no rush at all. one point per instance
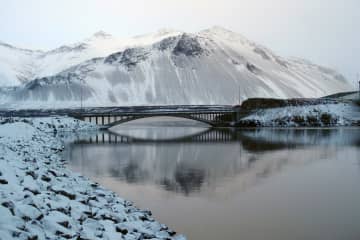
(333, 114)
(41, 199)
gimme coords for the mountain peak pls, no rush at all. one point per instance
(161, 33)
(167, 31)
(223, 33)
(102, 34)
(219, 29)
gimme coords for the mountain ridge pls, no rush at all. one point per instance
(172, 67)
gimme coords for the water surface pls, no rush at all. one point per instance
(245, 184)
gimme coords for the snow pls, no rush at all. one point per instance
(22, 65)
(41, 199)
(164, 68)
(335, 114)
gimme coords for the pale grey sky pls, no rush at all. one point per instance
(323, 31)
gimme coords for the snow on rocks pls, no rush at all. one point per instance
(53, 124)
(41, 199)
(317, 115)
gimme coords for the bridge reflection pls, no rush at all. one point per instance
(208, 136)
(251, 139)
(200, 163)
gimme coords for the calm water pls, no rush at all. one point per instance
(247, 184)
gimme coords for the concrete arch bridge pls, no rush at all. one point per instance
(214, 116)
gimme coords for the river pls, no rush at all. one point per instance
(231, 184)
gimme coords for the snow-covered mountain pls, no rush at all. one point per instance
(213, 66)
(23, 65)
(16, 64)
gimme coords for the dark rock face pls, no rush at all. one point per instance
(33, 84)
(3, 181)
(65, 78)
(248, 123)
(129, 58)
(189, 46)
(262, 53)
(77, 48)
(167, 43)
(265, 103)
(113, 58)
(252, 68)
(281, 62)
(328, 119)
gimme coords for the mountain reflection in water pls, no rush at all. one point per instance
(203, 161)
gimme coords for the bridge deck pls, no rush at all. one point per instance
(107, 117)
(93, 111)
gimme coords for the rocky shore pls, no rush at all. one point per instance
(41, 199)
(299, 113)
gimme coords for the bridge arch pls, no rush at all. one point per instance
(108, 119)
(134, 118)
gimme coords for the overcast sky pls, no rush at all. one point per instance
(324, 31)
